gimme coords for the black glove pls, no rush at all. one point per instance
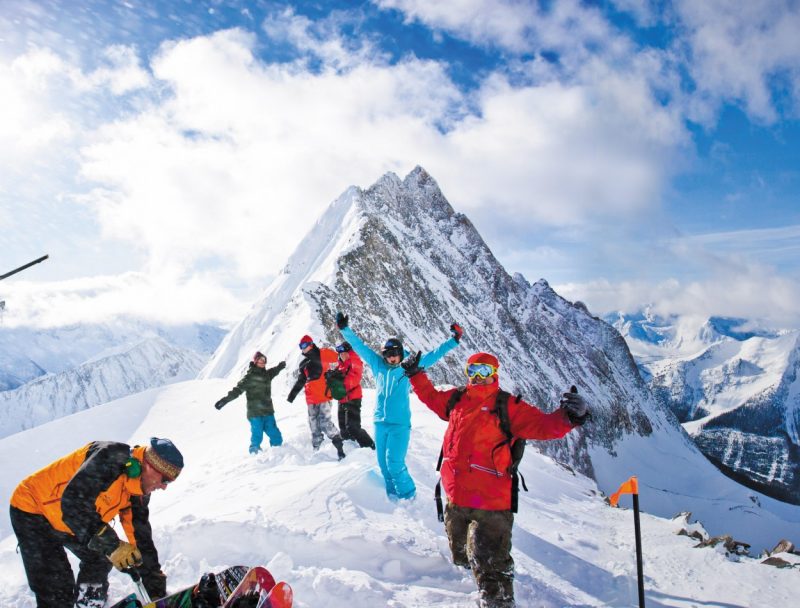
(575, 406)
(411, 364)
(342, 320)
(105, 541)
(156, 583)
(281, 365)
(220, 404)
(206, 594)
(292, 394)
(456, 331)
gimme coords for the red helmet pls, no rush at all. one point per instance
(484, 358)
(481, 365)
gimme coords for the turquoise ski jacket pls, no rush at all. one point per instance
(391, 398)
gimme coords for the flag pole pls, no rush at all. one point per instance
(638, 532)
(632, 487)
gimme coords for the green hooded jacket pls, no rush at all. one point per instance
(257, 385)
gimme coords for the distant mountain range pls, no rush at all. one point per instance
(733, 386)
(50, 373)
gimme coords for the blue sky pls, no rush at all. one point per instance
(168, 155)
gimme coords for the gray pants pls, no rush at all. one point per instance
(320, 422)
(481, 540)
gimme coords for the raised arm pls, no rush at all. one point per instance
(437, 353)
(369, 356)
(435, 400)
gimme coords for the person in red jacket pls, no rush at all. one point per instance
(352, 369)
(476, 464)
(311, 379)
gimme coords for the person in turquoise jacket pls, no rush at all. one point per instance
(392, 408)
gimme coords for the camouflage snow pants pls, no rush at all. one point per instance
(320, 422)
(481, 540)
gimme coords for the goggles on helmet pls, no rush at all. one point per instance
(393, 351)
(305, 345)
(343, 348)
(479, 370)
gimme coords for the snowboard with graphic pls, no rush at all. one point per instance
(259, 590)
(223, 585)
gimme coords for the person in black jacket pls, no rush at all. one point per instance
(311, 380)
(69, 504)
(257, 385)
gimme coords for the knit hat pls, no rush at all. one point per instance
(259, 355)
(164, 457)
(306, 340)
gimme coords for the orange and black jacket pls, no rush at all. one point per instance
(81, 492)
(311, 375)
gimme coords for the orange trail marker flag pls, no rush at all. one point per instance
(632, 487)
(629, 487)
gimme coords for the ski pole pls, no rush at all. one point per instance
(137, 580)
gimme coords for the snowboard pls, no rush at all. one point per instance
(259, 590)
(226, 582)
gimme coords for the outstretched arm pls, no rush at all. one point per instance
(298, 386)
(529, 422)
(437, 353)
(372, 358)
(435, 400)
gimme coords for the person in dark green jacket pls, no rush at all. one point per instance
(257, 386)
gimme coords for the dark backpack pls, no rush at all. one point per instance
(334, 384)
(516, 445)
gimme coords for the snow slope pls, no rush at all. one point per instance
(328, 528)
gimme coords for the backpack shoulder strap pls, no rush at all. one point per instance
(454, 399)
(501, 411)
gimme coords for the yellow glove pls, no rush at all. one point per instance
(125, 556)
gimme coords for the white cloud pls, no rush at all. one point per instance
(506, 23)
(740, 52)
(708, 282)
(163, 297)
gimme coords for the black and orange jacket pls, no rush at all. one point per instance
(311, 375)
(81, 492)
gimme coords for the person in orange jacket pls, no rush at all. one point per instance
(476, 467)
(311, 379)
(69, 504)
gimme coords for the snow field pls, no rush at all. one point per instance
(328, 528)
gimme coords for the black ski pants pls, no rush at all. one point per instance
(350, 423)
(49, 572)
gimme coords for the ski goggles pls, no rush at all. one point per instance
(479, 370)
(305, 345)
(394, 351)
(342, 349)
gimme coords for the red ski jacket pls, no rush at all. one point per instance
(475, 471)
(353, 370)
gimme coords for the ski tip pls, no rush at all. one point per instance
(281, 596)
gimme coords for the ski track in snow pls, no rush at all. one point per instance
(328, 529)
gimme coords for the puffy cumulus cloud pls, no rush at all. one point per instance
(30, 120)
(165, 297)
(563, 154)
(745, 52)
(505, 23)
(323, 38)
(242, 155)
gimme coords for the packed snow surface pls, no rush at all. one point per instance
(328, 528)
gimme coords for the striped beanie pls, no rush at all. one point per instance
(164, 457)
